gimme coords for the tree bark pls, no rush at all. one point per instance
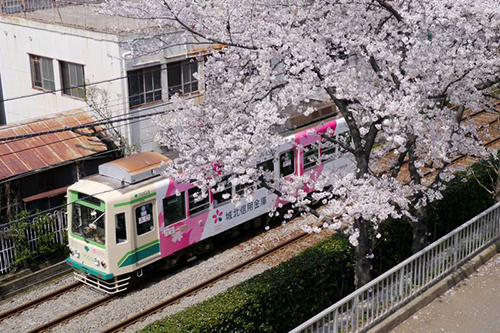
(420, 229)
(497, 185)
(362, 253)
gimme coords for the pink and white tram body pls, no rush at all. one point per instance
(128, 216)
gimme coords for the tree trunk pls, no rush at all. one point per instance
(362, 253)
(420, 230)
(497, 185)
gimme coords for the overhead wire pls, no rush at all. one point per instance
(34, 157)
(61, 206)
(111, 120)
(102, 81)
(91, 157)
(130, 120)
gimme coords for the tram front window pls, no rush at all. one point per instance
(88, 223)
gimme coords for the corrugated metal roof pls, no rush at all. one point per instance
(25, 155)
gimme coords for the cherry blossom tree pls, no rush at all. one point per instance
(400, 72)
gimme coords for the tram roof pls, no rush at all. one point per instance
(135, 168)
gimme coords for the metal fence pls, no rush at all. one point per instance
(370, 304)
(56, 224)
(19, 6)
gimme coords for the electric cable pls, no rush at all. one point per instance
(102, 81)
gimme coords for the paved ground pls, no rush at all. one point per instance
(471, 306)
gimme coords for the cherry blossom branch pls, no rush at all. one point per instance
(444, 164)
(414, 174)
(348, 117)
(340, 143)
(445, 90)
(391, 9)
(487, 84)
(371, 135)
(213, 40)
(402, 156)
(279, 194)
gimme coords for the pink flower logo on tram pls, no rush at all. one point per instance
(177, 236)
(217, 216)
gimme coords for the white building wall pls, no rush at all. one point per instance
(102, 57)
(97, 52)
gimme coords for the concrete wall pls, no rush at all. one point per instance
(143, 132)
(98, 52)
(104, 58)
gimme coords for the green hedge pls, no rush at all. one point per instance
(287, 295)
(463, 199)
(276, 300)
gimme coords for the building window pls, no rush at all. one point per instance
(42, 73)
(144, 218)
(144, 85)
(181, 77)
(197, 204)
(73, 80)
(287, 163)
(174, 209)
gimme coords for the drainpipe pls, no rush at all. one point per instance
(3, 120)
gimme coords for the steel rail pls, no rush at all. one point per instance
(131, 320)
(457, 159)
(73, 314)
(159, 306)
(469, 117)
(137, 317)
(37, 301)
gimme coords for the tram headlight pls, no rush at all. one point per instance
(76, 254)
(96, 262)
(103, 264)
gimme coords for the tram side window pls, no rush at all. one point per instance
(174, 208)
(268, 168)
(240, 188)
(120, 228)
(144, 218)
(287, 163)
(196, 202)
(223, 192)
(328, 150)
(311, 156)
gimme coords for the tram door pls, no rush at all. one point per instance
(147, 245)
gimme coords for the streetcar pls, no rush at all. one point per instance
(129, 216)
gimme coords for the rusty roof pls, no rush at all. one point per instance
(25, 155)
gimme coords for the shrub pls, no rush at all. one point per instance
(276, 300)
(464, 198)
(287, 295)
(31, 254)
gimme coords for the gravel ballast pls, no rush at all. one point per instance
(171, 284)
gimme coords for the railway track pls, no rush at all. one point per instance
(485, 121)
(74, 313)
(31, 304)
(157, 307)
